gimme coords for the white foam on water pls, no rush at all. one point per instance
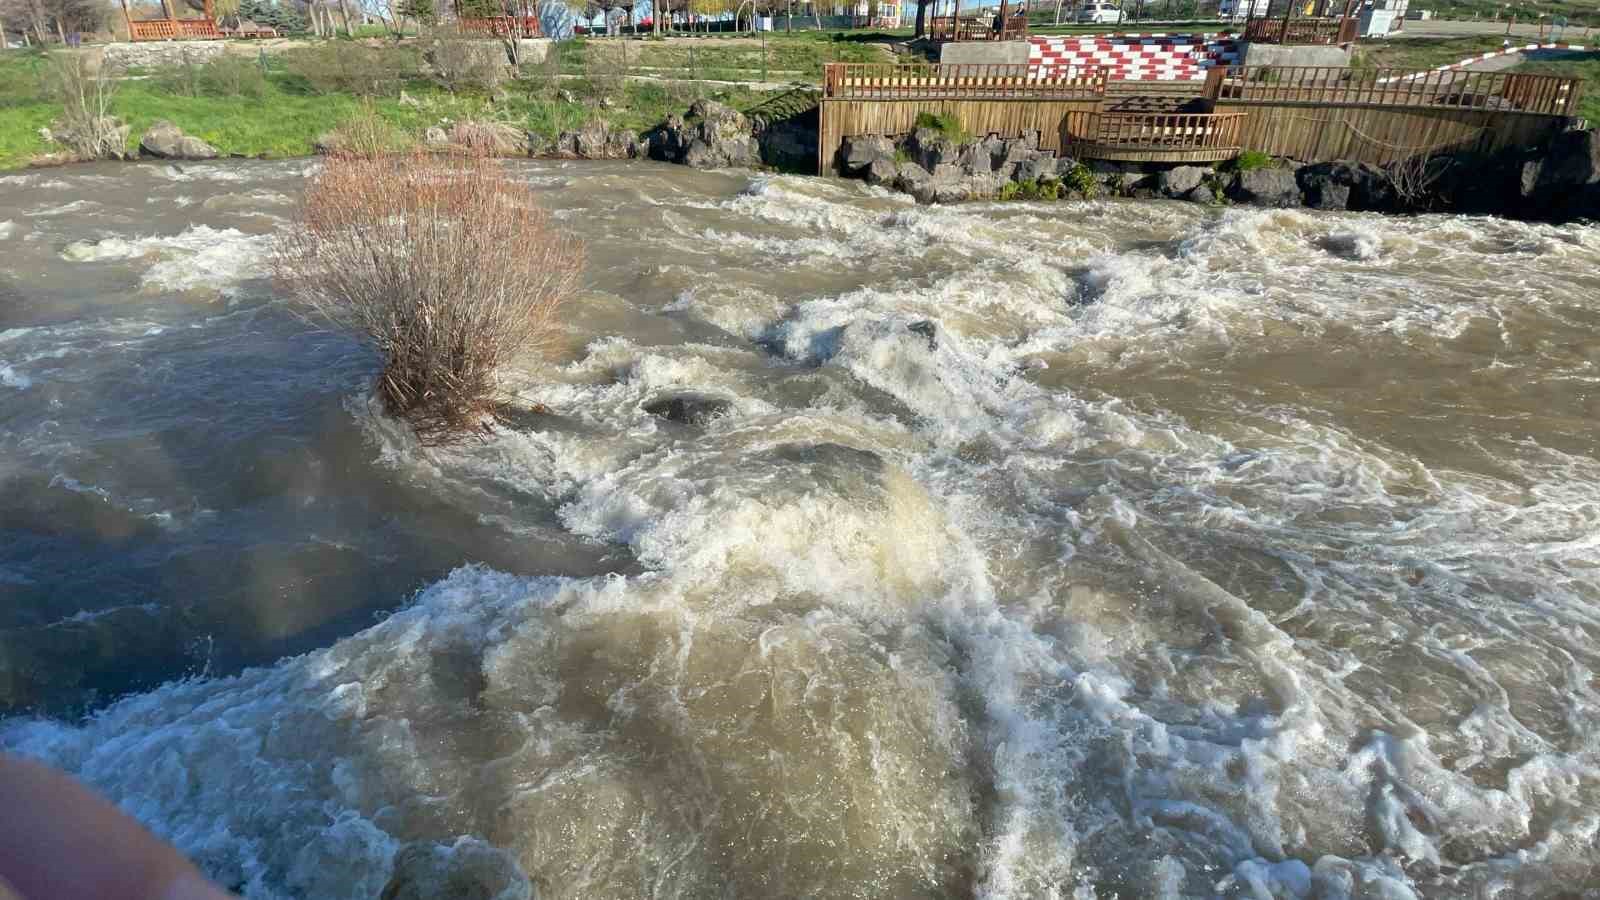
(200, 257)
(10, 377)
(904, 620)
(62, 209)
(7, 228)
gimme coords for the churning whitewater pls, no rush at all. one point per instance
(1082, 550)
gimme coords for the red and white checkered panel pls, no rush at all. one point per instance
(1139, 57)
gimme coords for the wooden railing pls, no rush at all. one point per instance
(977, 28)
(979, 81)
(173, 30)
(1301, 31)
(502, 26)
(1314, 85)
(1161, 136)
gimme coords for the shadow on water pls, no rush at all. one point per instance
(279, 530)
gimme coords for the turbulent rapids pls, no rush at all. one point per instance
(1089, 550)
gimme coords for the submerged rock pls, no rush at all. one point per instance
(469, 870)
(688, 409)
(165, 140)
(928, 330)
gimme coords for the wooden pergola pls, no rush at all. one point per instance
(1290, 30)
(517, 18)
(955, 27)
(172, 28)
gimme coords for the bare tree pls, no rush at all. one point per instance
(85, 91)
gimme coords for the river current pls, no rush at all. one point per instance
(1072, 550)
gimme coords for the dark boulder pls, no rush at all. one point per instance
(712, 136)
(1018, 151)
(931, 149)
(882, 171)
(597, 140)
(976, 159)
(861, 151)
(1180, 181)
(1573, 160)
(928, 330)
(165, 140)
(1342, 184)
(1273, 186)
(1037, 167)
(915, 180)
(668, 141)
(688, 409)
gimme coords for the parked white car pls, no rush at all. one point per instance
(1098, 12)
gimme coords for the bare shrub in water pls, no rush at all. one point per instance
(445, 264)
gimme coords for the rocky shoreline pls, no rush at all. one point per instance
(1557, 181)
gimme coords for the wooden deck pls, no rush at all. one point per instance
(1159, 137)
(1510, 92)
(1311, 114)
(989, 81)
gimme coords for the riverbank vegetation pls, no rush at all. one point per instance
(446, 266)
(279, 105)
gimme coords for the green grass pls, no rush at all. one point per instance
(947, 125)
(1586, 67)
(1423, 53)
(1248, 161)
(1079, 178)
(288, 117)
(780, 58)
(281, 123)
(25, 107)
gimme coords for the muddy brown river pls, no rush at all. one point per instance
(1074, 550)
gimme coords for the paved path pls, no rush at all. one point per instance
(1524, 33)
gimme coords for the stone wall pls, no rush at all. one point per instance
(990, 52)
(160, 54)
(1257, 54)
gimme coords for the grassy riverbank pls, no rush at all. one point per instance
(277, 112)
(1423, 53)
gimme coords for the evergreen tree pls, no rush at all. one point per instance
(279, 15)
(423, 11)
